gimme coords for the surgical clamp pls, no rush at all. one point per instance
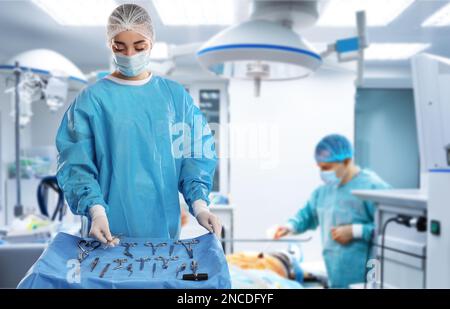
(127, 246)
(142, 260)
(155, 247)
(86, 247)
(165, 261)
(194, 276)
(119, 262)
(180, 269)
(187, 246)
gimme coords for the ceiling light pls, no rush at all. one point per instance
(439, 19)
(341, 13)
(259, 49)
(78, 13)
(194, 13)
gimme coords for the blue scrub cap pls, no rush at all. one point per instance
(333, 148)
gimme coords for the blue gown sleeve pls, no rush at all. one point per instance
(77, 173)
(306, 218)
(368, 228)
(199, 158)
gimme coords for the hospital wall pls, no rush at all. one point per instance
(386, 135)
(269, 190)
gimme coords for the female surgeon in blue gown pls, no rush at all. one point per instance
(129, 143)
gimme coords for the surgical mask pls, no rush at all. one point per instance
(330, 178)
(132, 65)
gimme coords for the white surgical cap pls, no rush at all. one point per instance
(130, 17)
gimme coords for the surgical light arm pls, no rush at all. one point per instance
(351, 49)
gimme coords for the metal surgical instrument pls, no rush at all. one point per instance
(142, 261)
(194, 276)
(165, 261)
(188, 246)
(180, 269)
(130, 269)
(94, 263)
(119, 262)
(86, 247)
(154, 270)
(105, 269)
(127, 246)
(155, 247)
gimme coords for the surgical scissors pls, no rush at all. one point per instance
(188, 246)
(155, 247)
(165, 261)
(127, 246)
(86, 247)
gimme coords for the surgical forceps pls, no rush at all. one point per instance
(155, 247)
(86, 247)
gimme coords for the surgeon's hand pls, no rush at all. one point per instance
(342, 234)
(210, 222)
(100, 226)
(205, 218)
(281, 231)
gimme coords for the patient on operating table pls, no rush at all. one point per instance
(277, 262)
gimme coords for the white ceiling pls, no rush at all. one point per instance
(24, 26)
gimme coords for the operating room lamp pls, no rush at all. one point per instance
(38, 74)
(246, 52)
(268, 46)
(265, 47)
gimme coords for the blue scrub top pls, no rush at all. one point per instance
(132, 148)
(332, 206)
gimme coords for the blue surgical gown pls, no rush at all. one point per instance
(333, 206)
(132, 149)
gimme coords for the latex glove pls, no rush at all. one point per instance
(205, 218)
(281, 231)
(342, 234)
(100, 226)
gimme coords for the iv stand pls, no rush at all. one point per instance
(18, 209)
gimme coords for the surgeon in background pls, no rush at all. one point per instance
(346, 222)
(130, 142)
